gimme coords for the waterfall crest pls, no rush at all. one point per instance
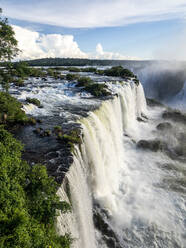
(94, 175)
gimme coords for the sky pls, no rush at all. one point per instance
(101, 29)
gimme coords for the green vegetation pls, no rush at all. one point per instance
(57, 129)
(8, 43)
(19, 82)
(28, 201)
(84, 81)
(8, 50)
(84, 62)
(72, 77)
(10, 110)
(136, 81)
(89, 69)
(97, 90)
(21, 69)
(119, 71)
(70, 139)
(37, 72)
(74, 69)
(34, 101)
(100, 72)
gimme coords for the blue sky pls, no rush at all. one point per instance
(100, 29)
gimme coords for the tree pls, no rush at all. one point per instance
(8, 50)
(28, 201)
(8, 43)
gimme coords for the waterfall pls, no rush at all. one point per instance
(96, 170)
(79, 223)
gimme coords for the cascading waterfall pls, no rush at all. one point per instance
(79, 223)
(95, 169)
(106, 172)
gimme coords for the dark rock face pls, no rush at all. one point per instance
(174, 115)
(153, 103)
(101, 224)
(153, 145)
(42, 146)
(164, 126)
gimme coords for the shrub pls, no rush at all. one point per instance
(74, 69)
(89, 69)
(19, 82)
(50, 72)
(84, 81)
(100, 72)
(37, 72)
(72, 77)
(10, 110)
(28, 201)
(97, 90)
(21, 69)
(119, 71)
(57, 129)
(70, 139)
(34, 101)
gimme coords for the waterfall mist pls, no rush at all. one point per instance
(116, 189)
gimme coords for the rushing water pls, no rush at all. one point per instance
(131, 188)
(138, 195)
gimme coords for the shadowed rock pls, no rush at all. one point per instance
(174, 115)
(153, 145)
(164, 126)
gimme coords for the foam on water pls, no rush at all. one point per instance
(124, 180)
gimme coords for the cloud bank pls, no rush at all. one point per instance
(35, 45)
(93, 13)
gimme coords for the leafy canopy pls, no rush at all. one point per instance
(28, 201)
(8, 43)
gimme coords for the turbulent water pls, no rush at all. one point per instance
(130, 189)
(122, 196)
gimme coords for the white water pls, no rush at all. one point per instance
(79, 225)
(123, 180)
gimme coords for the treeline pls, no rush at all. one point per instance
(82, 62)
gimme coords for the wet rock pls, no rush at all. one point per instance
(51, 167)
(164, 126)
(179, 150)
(47, 133)
(51, 155)
(39, 121)
(109, 236)
(140, 119)
(144, 116)
(37, 130)
(153, 103)
(174, 115)
(32, 121)
(153, 145)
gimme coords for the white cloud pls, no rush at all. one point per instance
(35, 45)
(95, 13)
(101, 54)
